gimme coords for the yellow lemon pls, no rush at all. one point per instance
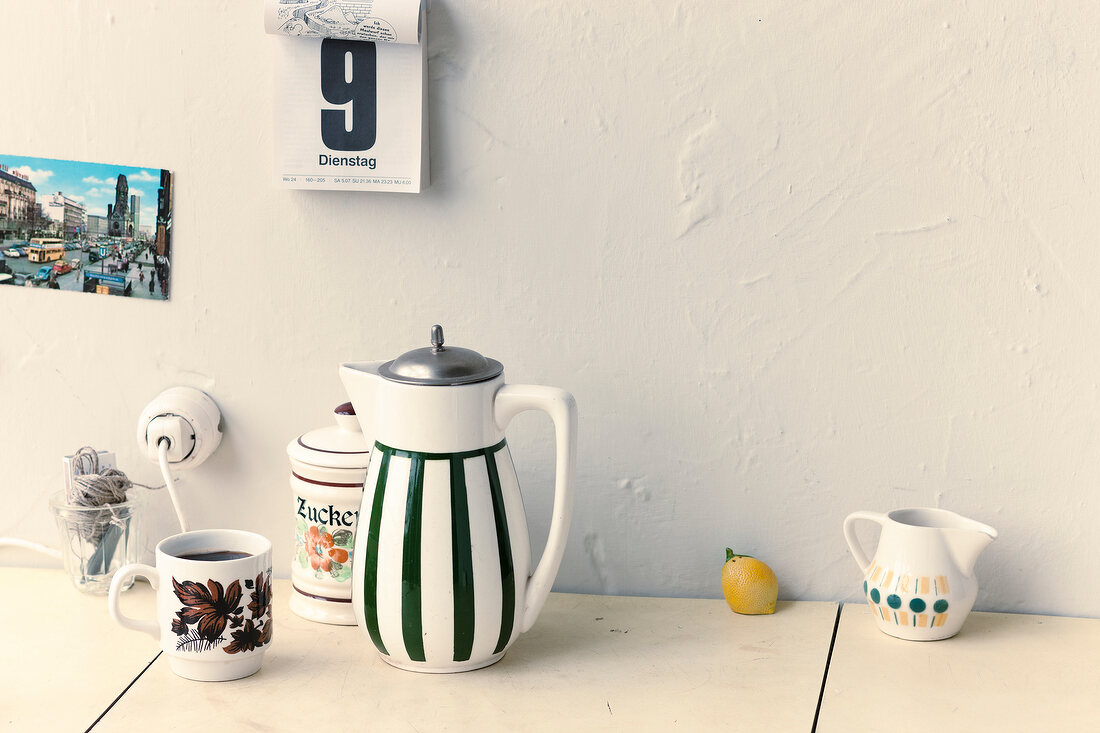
(749, 585)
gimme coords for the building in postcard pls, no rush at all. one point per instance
(18, 195)
(97, 226)
(135, 215)
(117, 217)
(68, 214)
(164, 214)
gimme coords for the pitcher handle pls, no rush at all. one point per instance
(512, 399)
(853, 541)
(122, 576)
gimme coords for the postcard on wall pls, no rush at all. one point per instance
(350, 107)
(85, 227)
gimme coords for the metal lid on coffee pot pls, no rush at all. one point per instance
(440, 365)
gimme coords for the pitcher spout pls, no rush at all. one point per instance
(966, 544)
(361, 381)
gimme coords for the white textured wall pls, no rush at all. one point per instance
(792, 262)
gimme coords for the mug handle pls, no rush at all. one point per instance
(853, 541)
(512, 399)
(122, 576)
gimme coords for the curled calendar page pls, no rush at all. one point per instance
(350, 107)
(386, 21)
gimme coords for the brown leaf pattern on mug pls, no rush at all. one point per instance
(208, 609)
(254, 635)
(261, 596)
(244, 640)
(208, 606)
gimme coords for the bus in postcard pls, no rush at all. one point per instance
(45, 250)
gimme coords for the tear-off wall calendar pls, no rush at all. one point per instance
(350, 105)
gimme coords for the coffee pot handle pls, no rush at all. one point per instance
(853, 541)
(512, 399)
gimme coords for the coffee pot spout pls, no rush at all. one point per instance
(361, 382)
(966, 544)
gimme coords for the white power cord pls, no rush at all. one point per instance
(28, 545)
(162, 457)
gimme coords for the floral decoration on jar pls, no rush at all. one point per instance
(323, 552)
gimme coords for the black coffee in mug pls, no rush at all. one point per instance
(214, 555)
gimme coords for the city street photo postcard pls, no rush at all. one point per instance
(89, 227)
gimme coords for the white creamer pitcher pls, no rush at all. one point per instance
(920, 584)
(442, 577)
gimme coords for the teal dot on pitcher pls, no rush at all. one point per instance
(939, 606)
(865, 587)
(874, 595)
(917, 605)
(893, 601)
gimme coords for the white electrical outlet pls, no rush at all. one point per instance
(188, 418)
(178, 432)
(106, 460)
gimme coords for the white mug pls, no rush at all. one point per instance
(213, 613)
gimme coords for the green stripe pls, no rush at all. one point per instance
(504, 549)
(462, 563)
(370, 560)
(412, 623)
(438, 456)
(462, 571)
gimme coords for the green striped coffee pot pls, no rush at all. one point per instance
(442, 578)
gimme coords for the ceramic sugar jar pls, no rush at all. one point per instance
(328, 467)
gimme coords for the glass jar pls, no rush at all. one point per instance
(95, 541)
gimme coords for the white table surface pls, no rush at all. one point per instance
(63, 660)
(1002, 672)
(589, 663)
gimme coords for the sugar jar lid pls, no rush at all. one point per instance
(342, 445)
(440, 365)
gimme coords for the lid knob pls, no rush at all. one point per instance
(438, 365)
(346, 419)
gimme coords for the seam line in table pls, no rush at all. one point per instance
(828, 659)
(147, 666)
